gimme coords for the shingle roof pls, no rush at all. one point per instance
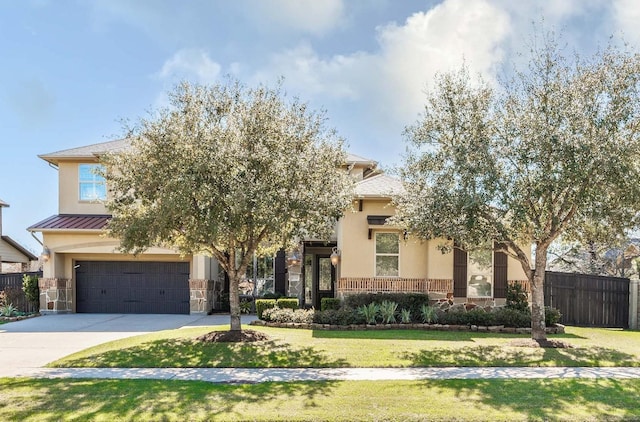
(72, 222)
(356, 159)
(3, 204)
(88, 151)
(381, 186)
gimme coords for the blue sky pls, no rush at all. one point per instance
(73, 70)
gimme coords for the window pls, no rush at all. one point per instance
(387, 254)
(480, 273)
(92, 185)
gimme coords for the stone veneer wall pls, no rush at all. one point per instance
(56, 295)
(201, 294)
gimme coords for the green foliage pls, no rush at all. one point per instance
(370, 312)
(388, 311)
(287, 302)
(286, 315)
(343, 316)
(246, 306)
(429, 314)
(552, 315)
(327, 303)
(262, 304)
(8, 310)
(516, 297)
(478, 316)
(512, 317)
(405, 316)
(274, 295)
(30, 288)
(410, 301)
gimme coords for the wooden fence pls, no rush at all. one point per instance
(588, 300)
(11, 284)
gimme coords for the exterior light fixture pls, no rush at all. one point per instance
(335, 256)
(294, 259)
(46, 254)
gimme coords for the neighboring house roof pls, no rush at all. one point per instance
(89, 151)
(378, 186)
(356, 159)
(3, 204)
(72, 222)
(12, 251)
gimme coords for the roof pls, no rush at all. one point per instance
(356, 159)
(379, 186)
(3, 204)
(19, 248)
(72, 222)
(89, 151)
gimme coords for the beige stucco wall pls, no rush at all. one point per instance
(69, 191)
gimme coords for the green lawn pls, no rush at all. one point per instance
(388, 348)
(112, 400)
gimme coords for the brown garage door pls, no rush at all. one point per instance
(132, 287)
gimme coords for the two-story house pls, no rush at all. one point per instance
(85, 272)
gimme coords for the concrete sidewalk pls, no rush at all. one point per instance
(257, 375)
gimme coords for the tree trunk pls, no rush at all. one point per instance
(234, 301)
(538, 327)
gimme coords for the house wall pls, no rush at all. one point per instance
(69, 191)
(9, 254)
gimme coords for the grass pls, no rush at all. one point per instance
(388, 348)
(113, 400)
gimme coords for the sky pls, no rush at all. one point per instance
(72, 72)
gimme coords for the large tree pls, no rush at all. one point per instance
(226, 171)
(549, 151)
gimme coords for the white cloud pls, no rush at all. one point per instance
(312, 16)
(626, 15)
(190, 64)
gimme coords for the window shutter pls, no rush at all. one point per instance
(499, 273)
(280, 272)
(459, 273)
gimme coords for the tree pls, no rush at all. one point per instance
(225, 171)
(550, 151)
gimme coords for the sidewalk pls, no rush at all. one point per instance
(257, 375)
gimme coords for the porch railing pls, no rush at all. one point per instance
(394, 285)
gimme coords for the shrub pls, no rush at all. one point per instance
(429, 314)
(274, 295)
(452, 317)
(285, 302)
(262, 304)
(411, 301)
(478, 316)
(516, 297)
(370, 312)
(405, 316)
(551, 315)
(344, 316)
(8, 310)
(510, 317)
(286, 315)
(388, 311)
(30, 288)
(329, 303)
(246, 306)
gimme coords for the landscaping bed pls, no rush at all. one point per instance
(18, 317)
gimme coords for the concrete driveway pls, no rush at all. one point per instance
(34, 342)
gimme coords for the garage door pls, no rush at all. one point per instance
(132, 287)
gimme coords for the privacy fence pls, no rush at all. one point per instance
(588, 300)
(12, 286)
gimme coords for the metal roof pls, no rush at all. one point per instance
(72, 222)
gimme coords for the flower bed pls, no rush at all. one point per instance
(18, 318)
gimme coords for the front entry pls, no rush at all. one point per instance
(324, 279)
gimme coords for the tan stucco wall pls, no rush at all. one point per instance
(69, 191)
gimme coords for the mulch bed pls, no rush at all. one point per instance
(244, 336)
(548, 344)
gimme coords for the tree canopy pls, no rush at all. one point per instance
(225, 171)
(553, 150)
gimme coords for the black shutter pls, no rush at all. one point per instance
(459, 273)
(499, 273)
(280, 272)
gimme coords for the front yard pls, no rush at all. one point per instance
(291, 348)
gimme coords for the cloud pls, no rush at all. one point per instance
(391, 81)
(190, 64)
(626, 15)
(314, 17)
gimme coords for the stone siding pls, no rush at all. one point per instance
(201, 294)
(56, 295)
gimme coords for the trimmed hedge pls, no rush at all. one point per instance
(327, 303)
(262, 304)
(287, 303)
(410, 301)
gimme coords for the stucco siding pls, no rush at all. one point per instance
(69, 191)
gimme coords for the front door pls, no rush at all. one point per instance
(324, 279)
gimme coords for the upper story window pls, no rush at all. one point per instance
(387, 254)
(92, 185)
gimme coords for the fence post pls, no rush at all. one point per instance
(633, 304)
